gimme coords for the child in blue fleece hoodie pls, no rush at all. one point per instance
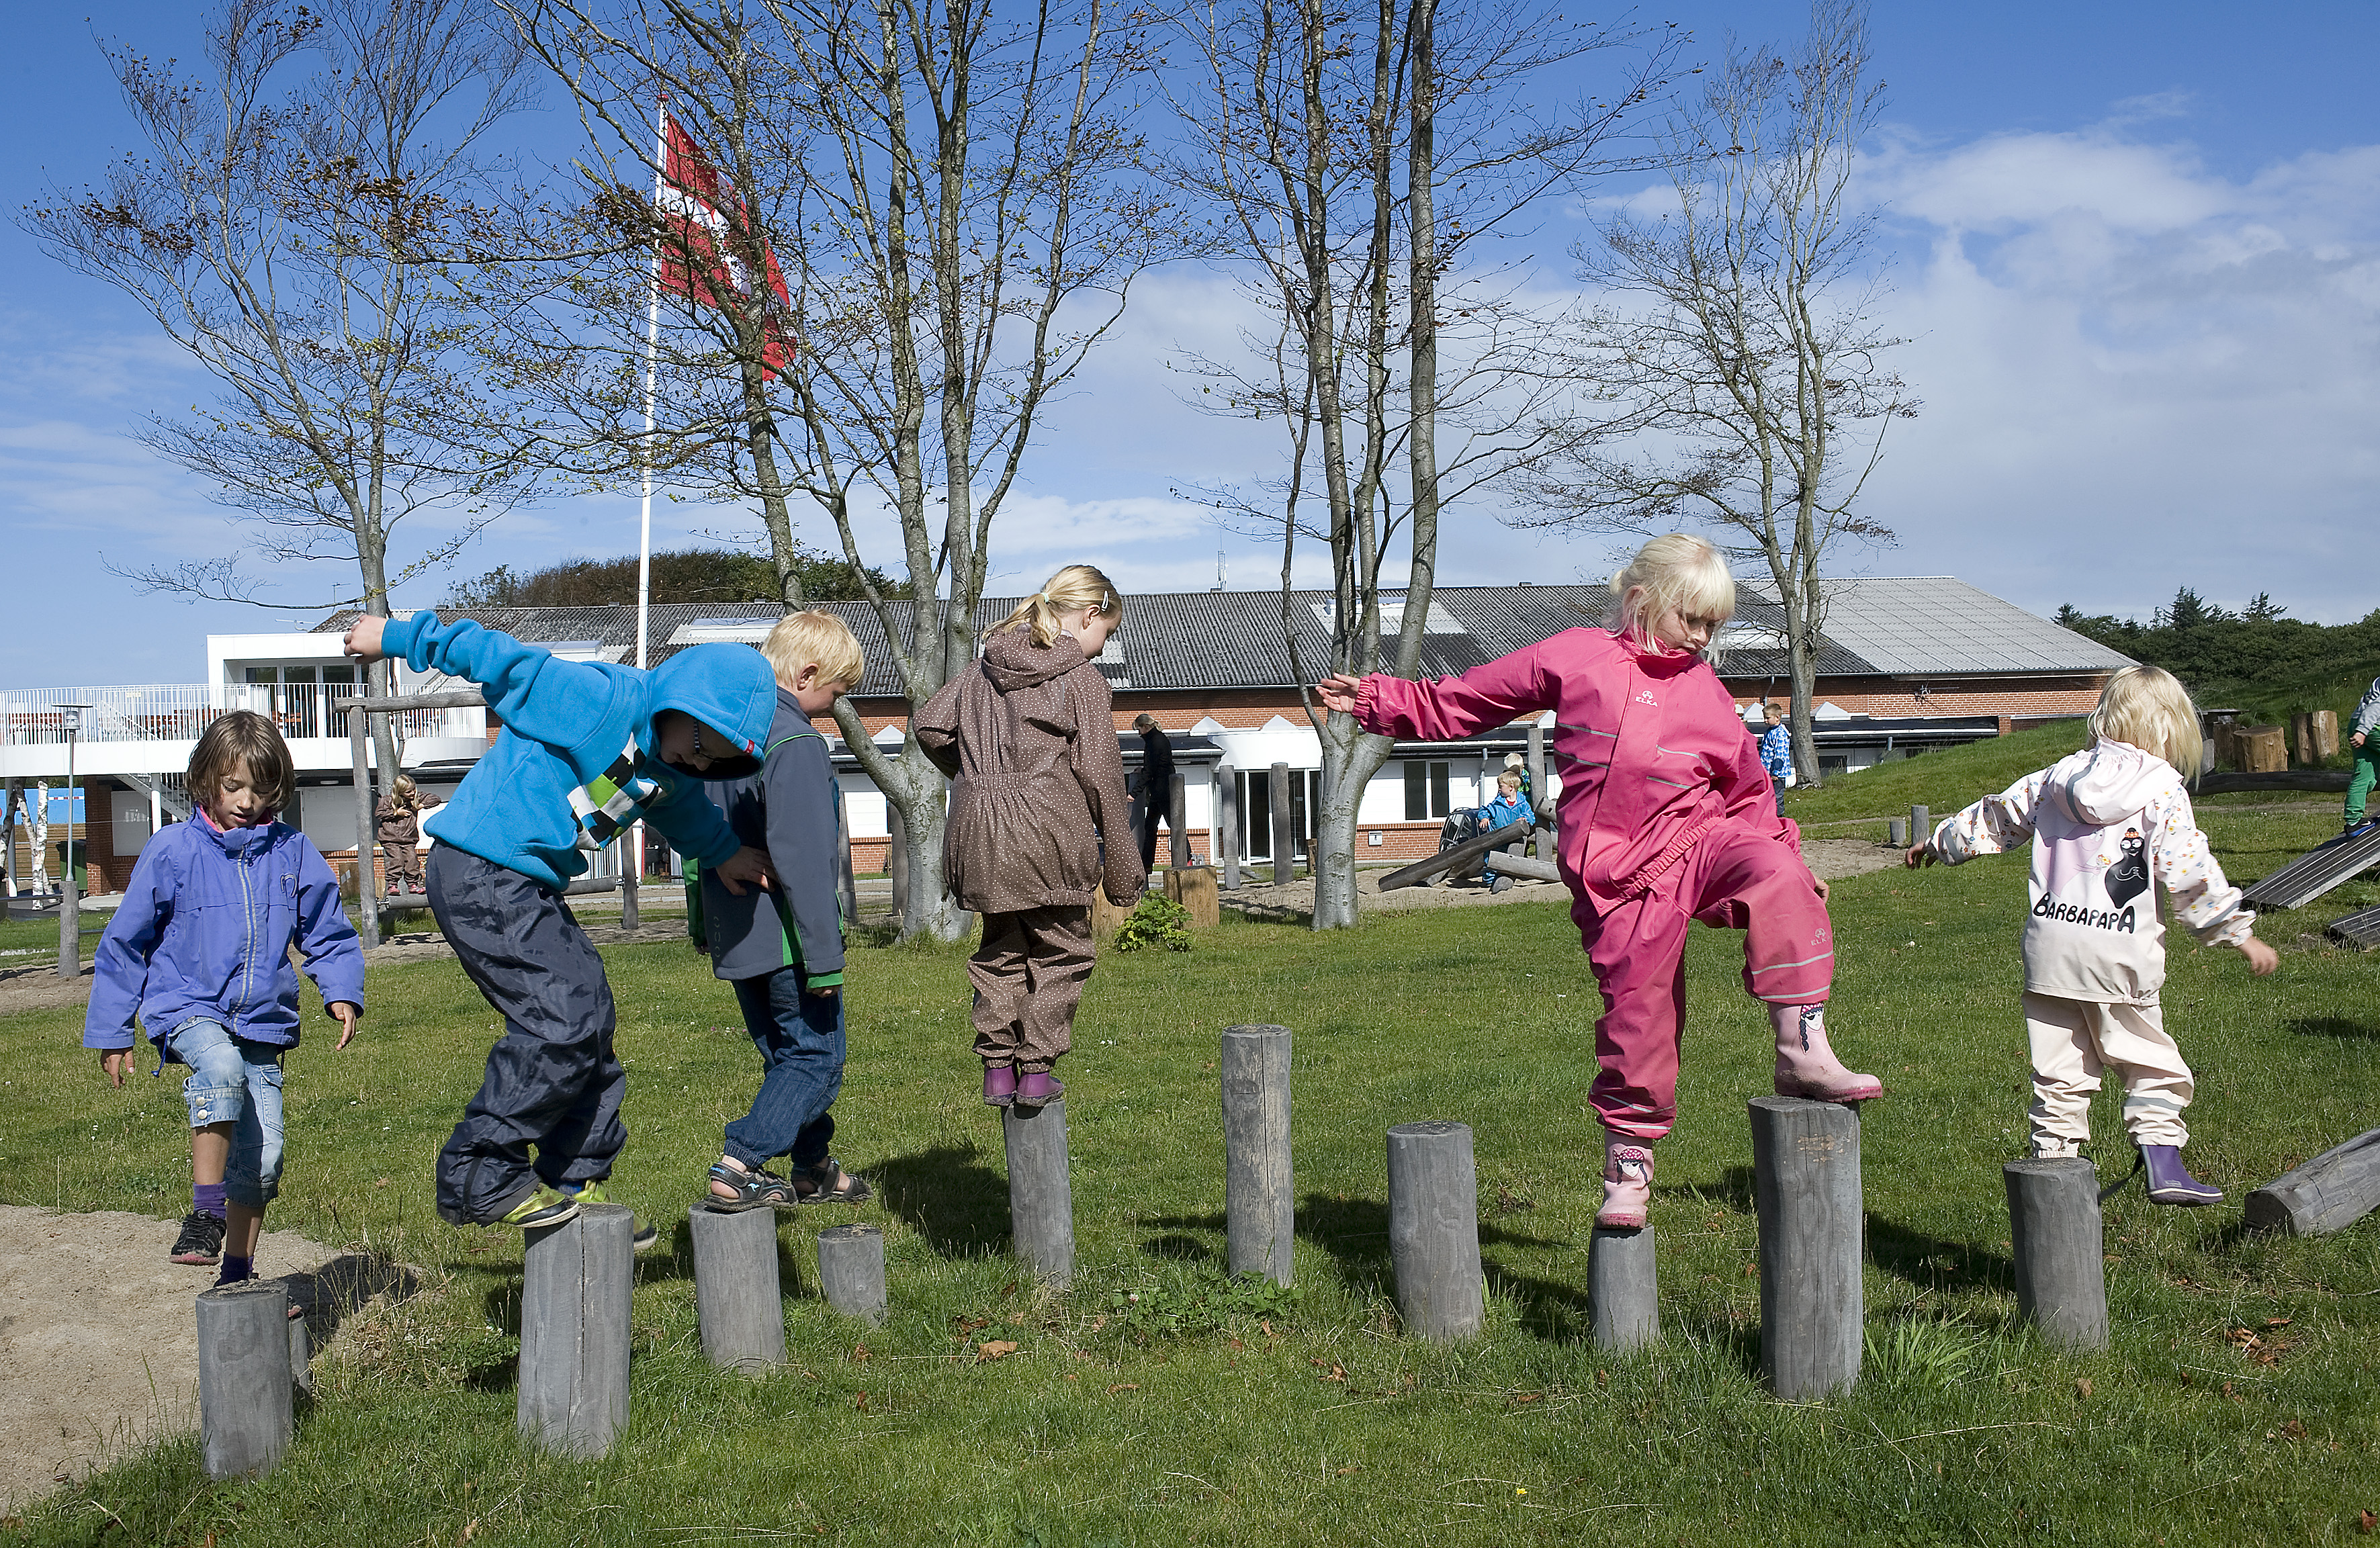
(588, 748)
(200, 953)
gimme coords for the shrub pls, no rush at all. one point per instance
(1158, 922)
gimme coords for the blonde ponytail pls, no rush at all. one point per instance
(1069, 590)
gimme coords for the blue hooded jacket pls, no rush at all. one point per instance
(205, 929)
(576, 753)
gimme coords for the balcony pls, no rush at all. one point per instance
(153, 728)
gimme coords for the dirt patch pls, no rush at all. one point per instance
(1830, 858)
(99, 1350)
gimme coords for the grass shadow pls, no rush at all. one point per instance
(1556, 1312)
(332, 1294)
(2331, 1026)
(1935, 1262)
(1734, 1190)
(948, 1196)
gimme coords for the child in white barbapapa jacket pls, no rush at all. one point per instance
(2109, 825)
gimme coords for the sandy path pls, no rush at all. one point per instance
(99, 1334)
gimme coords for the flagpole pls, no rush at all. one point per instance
(634, 869)
(652, 349)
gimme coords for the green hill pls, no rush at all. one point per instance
(1942, 781)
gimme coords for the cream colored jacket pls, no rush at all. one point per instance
(2109, 825)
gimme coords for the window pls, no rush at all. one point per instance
(1255, 812)
(1426, 791)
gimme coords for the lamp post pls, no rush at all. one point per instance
(69, 898)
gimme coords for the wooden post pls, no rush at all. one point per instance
(2062, 1275)
(2328, 1193)
(301, 1356)
(896, 861)
(1805, 1163)
(738, 1300)
(1623, 1289)
(1227, 824)
(1895, 832)
(2323, 724)
(244, 1398)
(1040, 1194)
(1177, 831)
(366, 889)
(1259, 1187)
(1921, 825)
(1284, 833)
(1195, 891)
(1541, 801)
(2261, 751)
(851, 1270)
(576, 1282)
(1434, 1229)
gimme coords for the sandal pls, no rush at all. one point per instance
(823, 1190)
(753, 1191)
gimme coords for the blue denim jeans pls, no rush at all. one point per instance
(800, 1038)
(236, 1082)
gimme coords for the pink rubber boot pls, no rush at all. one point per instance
(1627, 1183)
(1806, 1066)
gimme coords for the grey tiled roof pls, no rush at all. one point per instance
(1905, 628)
(1916, 625)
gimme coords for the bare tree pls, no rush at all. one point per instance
(1743, 342)
(288, 225)
(631, 378)
(1332, 144)
(956, 204)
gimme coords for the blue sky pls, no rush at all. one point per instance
(2136, 248)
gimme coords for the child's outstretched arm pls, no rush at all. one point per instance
(2204, 901)
(1992, 826)
(1482, 698)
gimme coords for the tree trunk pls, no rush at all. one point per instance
(917, 789)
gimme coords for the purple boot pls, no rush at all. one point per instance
(999, 1085)
(2169, 1181)
(1038, 1088)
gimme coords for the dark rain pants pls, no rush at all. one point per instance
(552, 1080)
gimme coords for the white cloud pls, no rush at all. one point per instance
(2138, 375)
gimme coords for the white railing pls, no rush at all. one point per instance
(180, 711)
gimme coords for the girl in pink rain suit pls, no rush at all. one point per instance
(1667, 817)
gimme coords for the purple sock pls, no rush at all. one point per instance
(235, 1269)
(207, 1198)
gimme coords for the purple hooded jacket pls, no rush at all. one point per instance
(205, 930)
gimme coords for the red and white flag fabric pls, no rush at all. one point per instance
(700, 265)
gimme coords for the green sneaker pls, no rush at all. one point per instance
(641, 1233)
(542, 1207)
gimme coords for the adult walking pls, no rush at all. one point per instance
(1156, 785)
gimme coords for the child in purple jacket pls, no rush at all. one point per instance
(200, 953)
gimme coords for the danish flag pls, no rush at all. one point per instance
(700, 264)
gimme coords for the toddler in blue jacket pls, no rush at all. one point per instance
(200, 953)
(586, 749)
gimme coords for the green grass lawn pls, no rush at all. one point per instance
(2239, 1403)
